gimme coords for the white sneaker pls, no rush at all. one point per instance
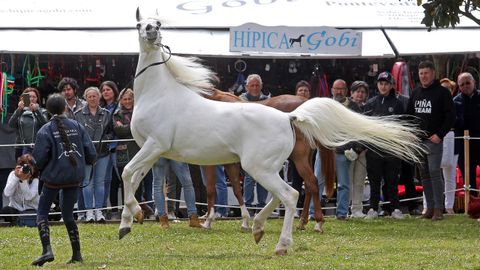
(99, 216)
(81, 216)
(171, 215)
(218, 215)
(89, 216)
(397, 214)
(357, 214)
(371, 214)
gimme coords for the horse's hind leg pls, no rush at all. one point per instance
(133, 173)
(281, 192)
(311, 191)
(210, 175)
(233, 171)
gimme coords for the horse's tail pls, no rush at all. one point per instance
(327, 158)
(332, 124)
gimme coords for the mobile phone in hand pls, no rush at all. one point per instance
(26, 99)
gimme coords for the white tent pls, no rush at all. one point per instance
(389, 28)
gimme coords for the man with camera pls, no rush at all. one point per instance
(21, 189)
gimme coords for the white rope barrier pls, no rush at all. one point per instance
(32, 144)
(465, 188)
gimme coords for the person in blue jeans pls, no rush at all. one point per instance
(342, 166)
(248, 192)
(317, 170)
(97, 123)
(183, 174)
(108, 100)
(253, 85)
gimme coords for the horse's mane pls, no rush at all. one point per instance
(191, 73)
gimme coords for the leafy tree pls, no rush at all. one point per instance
(447, 13)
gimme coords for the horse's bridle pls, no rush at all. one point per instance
(164, 48)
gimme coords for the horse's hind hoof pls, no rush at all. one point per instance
(281, 252)
(318, 227)
(258, 236)
(122, 232)
(139, 217)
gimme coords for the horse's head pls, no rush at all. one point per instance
(149, 30)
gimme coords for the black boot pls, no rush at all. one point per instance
(47, 254)
(72, 230)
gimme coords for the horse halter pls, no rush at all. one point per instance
(164, 48)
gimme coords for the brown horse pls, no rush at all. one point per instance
(301, 156)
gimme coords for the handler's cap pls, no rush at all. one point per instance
(386, 76)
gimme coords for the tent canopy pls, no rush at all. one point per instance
(201, 27)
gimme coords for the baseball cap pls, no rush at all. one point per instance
(385, 76)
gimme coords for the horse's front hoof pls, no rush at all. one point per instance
(139, 217)
(318, 227)
(281, 252)
(258, 236)
(245, 229)
(301, 227)
(122, 232)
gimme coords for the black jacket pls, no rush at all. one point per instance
(384, 105)
(468, 116)
(433, 107)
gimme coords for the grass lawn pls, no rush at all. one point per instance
(354, 244)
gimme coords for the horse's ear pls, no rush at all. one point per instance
(156, 12)
(139, 17)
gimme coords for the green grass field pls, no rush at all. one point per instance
(355, 244)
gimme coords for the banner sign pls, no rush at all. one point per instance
(255, 38)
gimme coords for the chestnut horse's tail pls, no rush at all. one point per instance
(327, 159)
(332, 124)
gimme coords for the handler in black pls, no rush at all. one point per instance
(62, 148)
(380, 165)
(432, 104)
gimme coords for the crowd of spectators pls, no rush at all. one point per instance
(105, 112)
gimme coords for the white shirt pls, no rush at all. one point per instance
(22, 195)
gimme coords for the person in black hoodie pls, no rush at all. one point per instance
(432, 105)
(62, 149)
(380, 165)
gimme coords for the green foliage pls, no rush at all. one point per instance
(355, 244)
(447, 13)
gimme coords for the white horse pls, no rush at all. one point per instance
(171, 119)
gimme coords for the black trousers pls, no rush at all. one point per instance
(386, 168)
(48, 195)
(406, 177)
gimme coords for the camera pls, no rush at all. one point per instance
(26, 169)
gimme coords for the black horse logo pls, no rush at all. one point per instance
(293, 40)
